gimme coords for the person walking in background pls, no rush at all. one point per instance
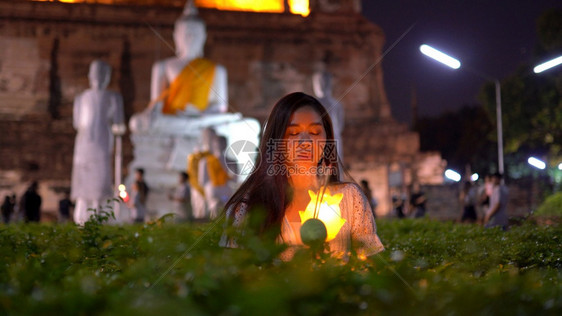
(8, 208)
(65, 204)
(497, 212)
(484, 193)
(31, 203)
(369, 194)
(17, 215)
(398, 205)
(139, 197)
(417, 201)
(181, 198)
(468, 198)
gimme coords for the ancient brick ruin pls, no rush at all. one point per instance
(47, 47)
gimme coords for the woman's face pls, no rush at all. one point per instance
(305, 138)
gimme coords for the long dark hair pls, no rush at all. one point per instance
(270, 191)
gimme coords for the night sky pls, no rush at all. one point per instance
(490, 36)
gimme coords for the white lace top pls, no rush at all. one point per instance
(359, 231)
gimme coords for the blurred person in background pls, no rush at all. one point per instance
(8, 207)
(417, 201)
(30, 203)
(469, 199)
(496, 215)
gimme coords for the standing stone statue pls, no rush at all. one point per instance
(322, 86)
(98, 115)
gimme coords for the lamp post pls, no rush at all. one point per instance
(499, 125)
(456, 64)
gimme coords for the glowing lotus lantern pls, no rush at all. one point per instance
(325, 208)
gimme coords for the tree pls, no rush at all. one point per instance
(462, 137)
(532, 103)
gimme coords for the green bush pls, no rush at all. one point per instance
(552, 206)
(428, 268)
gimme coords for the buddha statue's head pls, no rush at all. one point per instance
(189, 33)
(99, 75)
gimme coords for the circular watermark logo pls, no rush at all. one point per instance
(241, 157)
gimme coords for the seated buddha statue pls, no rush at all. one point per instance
(187, 84)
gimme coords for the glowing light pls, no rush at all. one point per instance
(547, 65)
(329, 212)
(452, 175)
(440, 56)
(560, 166)
(536, 163)
(269, 6)
(79, 1)
(299, 7)
(474, 177)
(272, 6)
(123, 192)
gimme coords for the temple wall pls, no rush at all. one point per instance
(443, 201)
(47, 48)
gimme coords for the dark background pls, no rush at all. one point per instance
(490, 36)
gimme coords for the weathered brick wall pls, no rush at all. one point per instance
(39, 145)
(266, 55)
(443, 200)
(47, 48)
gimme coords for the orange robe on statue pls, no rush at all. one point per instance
(191, 86)
(217, 174)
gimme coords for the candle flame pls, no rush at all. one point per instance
(328, 211)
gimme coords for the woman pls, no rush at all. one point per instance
(300, 155)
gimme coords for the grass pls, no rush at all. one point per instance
(428, 268)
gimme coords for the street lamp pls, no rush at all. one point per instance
(539, 164)
(452, 175)
(440, 56)
(455, 64)
(547, 65)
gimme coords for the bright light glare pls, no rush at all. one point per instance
(560, 166)
(273, 6)
(536, 163)
(474, 177)
(452, 175)
(121, 187)
(547, 65)
(299, 7)
(440, 57)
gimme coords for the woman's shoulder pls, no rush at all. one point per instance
(344, 187)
